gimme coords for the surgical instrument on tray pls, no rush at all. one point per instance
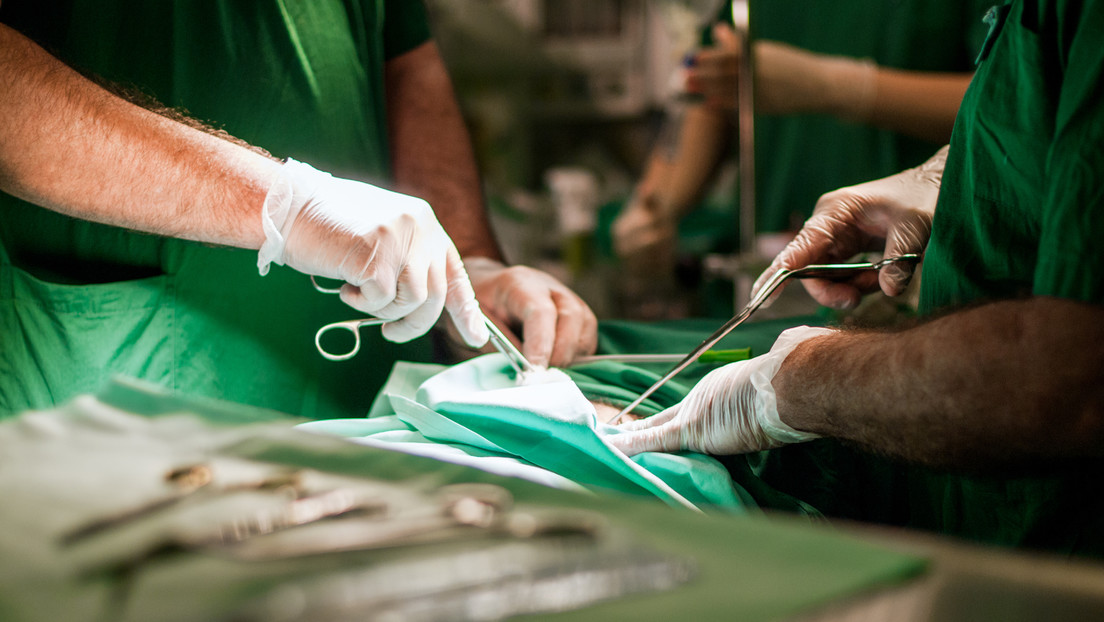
(501, 343)
(837, 271)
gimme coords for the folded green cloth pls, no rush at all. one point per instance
(475, 414)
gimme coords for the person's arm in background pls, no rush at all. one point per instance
(431, 151)
(69, 145)
(789, 80)
(432, 158)
(673, 181)
(919, 104)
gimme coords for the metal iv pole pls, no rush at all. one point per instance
(747, 260)
(745, 118)
(744, 265)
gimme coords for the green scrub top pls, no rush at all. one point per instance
(1021, 212)
(80, 302)
(800, 157)
(1021, 208)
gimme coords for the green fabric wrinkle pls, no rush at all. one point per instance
(476, 407)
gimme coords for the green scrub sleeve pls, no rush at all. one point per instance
(405, 26)
(1071, 247)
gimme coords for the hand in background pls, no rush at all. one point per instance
(788, 80)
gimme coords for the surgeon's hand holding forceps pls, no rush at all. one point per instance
(514, 356)
(837, 271)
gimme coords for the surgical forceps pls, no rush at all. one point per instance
(835, 272)
(513, 356)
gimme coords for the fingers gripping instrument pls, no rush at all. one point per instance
(841, 271)
(501, 343)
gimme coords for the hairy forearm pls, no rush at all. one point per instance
(73, 147)
(919, 104)
(431, 150)
(1001, 385)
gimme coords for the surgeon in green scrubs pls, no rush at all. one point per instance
(130, 241)
(845, 92)
(992, 410)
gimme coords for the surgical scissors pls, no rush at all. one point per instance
(835, 271)
(513, 356)
(353, 326)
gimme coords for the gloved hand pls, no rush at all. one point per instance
(731, 410)
(893, 214)
(644, 227)
(395, 258)
(788, 80)
(557, 326)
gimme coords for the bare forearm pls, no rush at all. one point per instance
(996, 386)
(923, 105)
(685, 172)
(431, 150)
(70, 146)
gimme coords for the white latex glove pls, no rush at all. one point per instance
(788, 80)
(395, 258)
(731, 410)
(556, 325)
(893, 214)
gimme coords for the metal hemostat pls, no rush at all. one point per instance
(227, 502)
(457, 512)
(191, 483)
(294, 513)
(839, 271)
(498, 339)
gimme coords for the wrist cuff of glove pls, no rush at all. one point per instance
(854, 85)
(292, 189)
(766, 410)
(478, 265)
